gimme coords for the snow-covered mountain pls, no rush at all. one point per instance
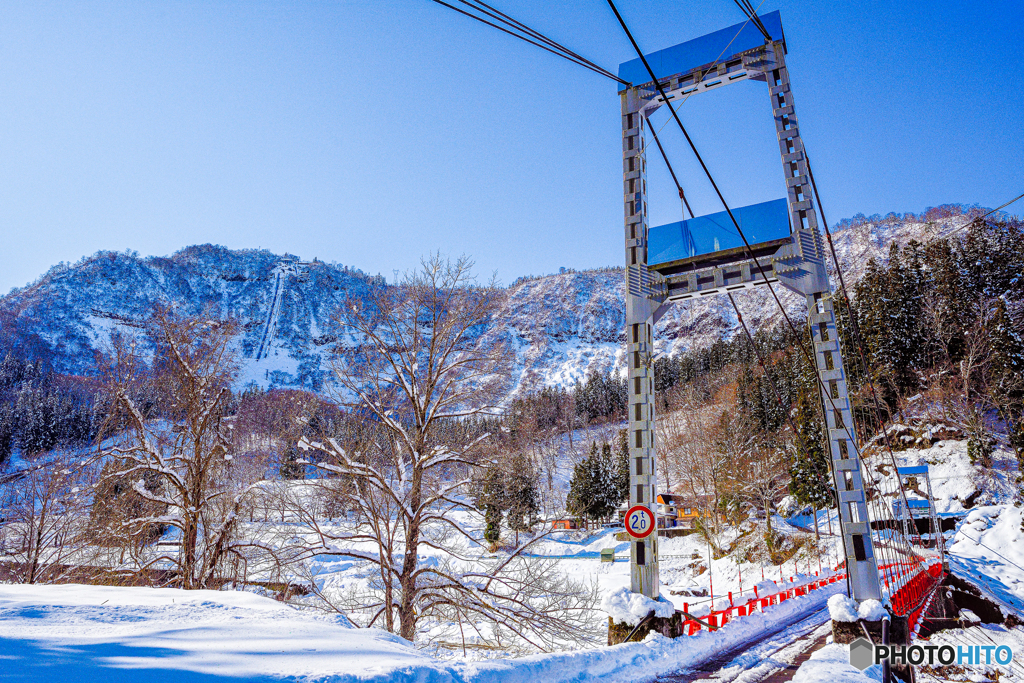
(561, 326)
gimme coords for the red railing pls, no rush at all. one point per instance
(909, 590)
(759, 603)
(908, 595)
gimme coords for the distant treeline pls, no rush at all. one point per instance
(40, 410)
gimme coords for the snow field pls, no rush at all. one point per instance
(93, 633)
(99, 633)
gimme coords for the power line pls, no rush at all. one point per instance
(517, 29)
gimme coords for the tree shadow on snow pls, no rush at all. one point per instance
(27, 660)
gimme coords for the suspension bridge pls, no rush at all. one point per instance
(777, 244)
(892, 542)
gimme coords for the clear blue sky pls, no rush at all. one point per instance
(370, 133)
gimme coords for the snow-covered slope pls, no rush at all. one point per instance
(561, 326)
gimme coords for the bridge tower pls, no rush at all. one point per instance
(680, 261)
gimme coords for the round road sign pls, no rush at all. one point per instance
(639, 521)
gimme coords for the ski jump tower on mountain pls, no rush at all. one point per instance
(707, 255)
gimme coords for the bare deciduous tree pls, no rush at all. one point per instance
(182, 439)
(419, 370)
(44, 519)
(763, 473)
(699, 451)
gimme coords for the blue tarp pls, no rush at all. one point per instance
(762, 222)
(721, 46)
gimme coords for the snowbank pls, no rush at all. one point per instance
(628, 607)
(843, 608)
(988, 551)
(93, 633)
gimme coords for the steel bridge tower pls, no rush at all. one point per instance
(677, 262)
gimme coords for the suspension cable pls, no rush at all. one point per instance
(682, 195)
(506, 19)
(751, 15)
(855, 328)
(522, 32)
(981, 218)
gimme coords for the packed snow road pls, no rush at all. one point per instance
(756, 660)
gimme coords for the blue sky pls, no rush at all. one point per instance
(371, 133)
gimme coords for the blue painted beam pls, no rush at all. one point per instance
(720, 46)
(760, 223)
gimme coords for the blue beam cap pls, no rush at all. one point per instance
(764, 222)
(717, 47)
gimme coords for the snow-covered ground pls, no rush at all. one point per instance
(685, 579)
(832, 663)
(988, 551)
(95, 633)
(89, 633)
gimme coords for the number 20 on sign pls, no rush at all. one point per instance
(639, 521)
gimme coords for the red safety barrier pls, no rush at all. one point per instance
(909, 593)
(718, 618)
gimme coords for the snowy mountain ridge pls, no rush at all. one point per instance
(561, 326)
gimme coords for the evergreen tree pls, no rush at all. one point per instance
(810, 481)
(1006, 374)
(622, 468)
(593, 490)
(6, 432)
(520, 493)
(291, 468)
(492, 502)
(890, 306)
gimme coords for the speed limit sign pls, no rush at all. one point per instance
(639, 521)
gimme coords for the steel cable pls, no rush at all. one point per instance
(555, 49)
